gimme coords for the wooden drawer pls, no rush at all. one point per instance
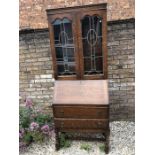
(81, 112)
(81, 123)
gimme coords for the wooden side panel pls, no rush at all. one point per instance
(104, 45)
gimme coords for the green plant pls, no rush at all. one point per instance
(33, 136)
(102, 147)
(34, 126)
(67, 144)
(42, 119)
(24, 117)
(63, 142)
(28, 138)
(86, 147)
(38, 136)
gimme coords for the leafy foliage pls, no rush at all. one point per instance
(86, 147)
(102, 148)
(38, 136)
(34, 126)
(42, 119)
(24, 117)
(28, 138)
(63, 142)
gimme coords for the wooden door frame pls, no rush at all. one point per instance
(51, 19)
(75, 14)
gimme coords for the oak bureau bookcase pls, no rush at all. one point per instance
(78, 39)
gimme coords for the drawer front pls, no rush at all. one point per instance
(81, 124)
(81, 112)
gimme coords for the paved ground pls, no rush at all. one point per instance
(122, 142)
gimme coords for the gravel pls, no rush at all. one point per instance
(122, 142)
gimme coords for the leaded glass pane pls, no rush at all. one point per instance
(59, 53)
(92, 44)
(64, 46)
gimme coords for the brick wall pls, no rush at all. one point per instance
(121, 50)
(36, 68)
(32, 13)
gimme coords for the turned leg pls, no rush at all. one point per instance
(57, 145)
(107, 134)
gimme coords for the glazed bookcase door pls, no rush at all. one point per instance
(64, 46)
(92, 44)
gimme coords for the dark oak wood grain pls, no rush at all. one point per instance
(81, 100)
(82, 106)
(64, 123)
(76, 14)
(93, 92)
(87, 112)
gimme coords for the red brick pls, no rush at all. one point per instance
(32, 14)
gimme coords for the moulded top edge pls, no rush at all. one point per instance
(55, 10)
